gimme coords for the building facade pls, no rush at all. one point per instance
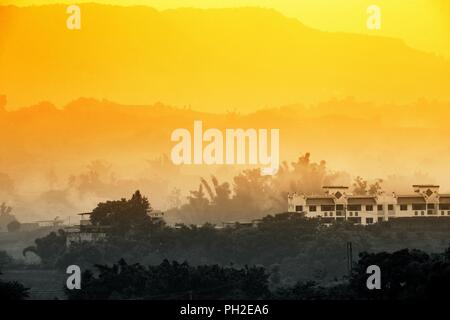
(85, 231)
(338, 204)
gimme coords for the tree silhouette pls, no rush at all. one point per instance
(5, 215)
(123, 216)
(362, 187)
(49, 248)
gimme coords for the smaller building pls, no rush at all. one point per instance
(155, 215)
(241, 223)
(85, 231)
(57, 222)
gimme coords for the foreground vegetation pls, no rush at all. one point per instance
(10, 290)
(286, 256)
(298, 249)
(405, 275)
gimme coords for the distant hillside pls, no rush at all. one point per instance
(362, 138)
(64, 160)
(215, 59)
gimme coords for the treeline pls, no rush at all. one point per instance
(291, 257)
(405, 274)
(172, 281)
(296, 248)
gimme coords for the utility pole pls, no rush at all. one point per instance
(349, 258)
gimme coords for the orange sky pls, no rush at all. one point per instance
(306, 57)
(219, 60)
(424, 24)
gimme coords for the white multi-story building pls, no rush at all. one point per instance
(337, 203)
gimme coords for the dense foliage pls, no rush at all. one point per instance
(123, 216)
(300, 258)
(405, 274)
(172, 281)
(49, 248)
(300, 249)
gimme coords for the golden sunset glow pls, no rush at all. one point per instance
(373, 103)
(181, 152)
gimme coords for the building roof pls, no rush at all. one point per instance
(85, 214)
(425, 186)
(444, 199)
(335, 187)
(320, 200)
(361, 200)
(408, 199)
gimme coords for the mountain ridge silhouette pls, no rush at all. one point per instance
(210, 59)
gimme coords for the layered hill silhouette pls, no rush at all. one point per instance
(359, 137)
(230, 68)
(105, 150)
(213, 60)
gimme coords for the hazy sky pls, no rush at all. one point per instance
(40, 61)
(423, 24)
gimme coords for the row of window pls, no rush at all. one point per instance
(356, 219)
(422, 206)
(350, 214)
(430, 212)
(355, 214)
(340, 207)
(358, 207)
